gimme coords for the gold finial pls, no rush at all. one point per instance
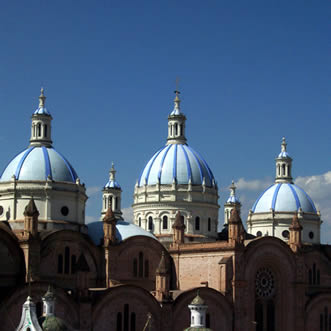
(42, 98)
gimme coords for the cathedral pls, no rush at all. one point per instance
(168, 270)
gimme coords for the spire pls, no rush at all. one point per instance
(283, 165)
(42, 98)
(31, 209)
(283, 145)
(109, 217)
(112, 172)
(233, 202)
(41, 124)
(176, 124)
(295, 228)
(162, 268)
(176, 110)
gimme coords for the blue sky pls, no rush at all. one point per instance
(250, 72)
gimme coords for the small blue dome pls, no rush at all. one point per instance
(39, 163)
(124, 230)
(284, 197)
(283, 155)
(112, 184)
(41, 111)
(177, 162)
(233, 199)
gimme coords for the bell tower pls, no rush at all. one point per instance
(176, 124)
(283, 165)
(41, 124)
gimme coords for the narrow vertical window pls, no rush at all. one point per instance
(150, 223)
(176, 129)
(110, 202)
(66, 260)
(165, 223)
(45, 131)
(314, 273)
(133, 322)
(141, 264)
(119, 322)
(310, 276)
(126, 317)
(39, 130)
(60, 264)
(207, 320)
(181, 130)
(209, 224)
(197, 223)
(139, 221)
(115, 203)
(135, 267)
(283, 166)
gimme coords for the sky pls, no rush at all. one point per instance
(250, 72)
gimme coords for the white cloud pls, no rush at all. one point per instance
(253, 185)
(318, 187)
(128, 214)
(92, 190)
(90, 219)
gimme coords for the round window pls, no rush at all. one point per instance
(311, 234)
(285, 234)
(258, 233)
(1, 210)
(264, 283)
(64, 210)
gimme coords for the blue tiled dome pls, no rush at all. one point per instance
(124, 230)
(39, 163)
(179, 162)
(284, 197)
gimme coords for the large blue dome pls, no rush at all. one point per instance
(284, 197)
(39, 163)
(177, 162)
(124, 230)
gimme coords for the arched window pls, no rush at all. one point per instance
(197, 223)
(135, 267)
(165, 223)
(105, 202)
(66, 259)
(181, 130)
(209, 224)
(34, 130)
(60, 264)
(110, 202)
(170, 130)
(150, 223)
(139, 221)
(39, 130)
(45, 131)
(264, 304)
(141, 264)
(176, 129)
(115, 204)
(283, 167)
(126, 317)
